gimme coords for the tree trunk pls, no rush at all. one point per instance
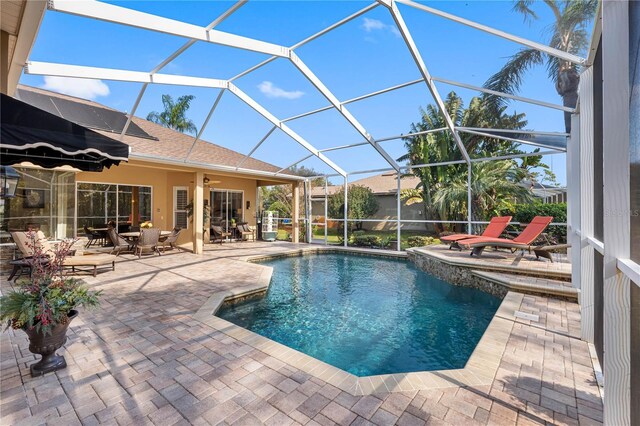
(567, 87)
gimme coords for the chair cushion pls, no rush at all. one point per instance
(89, 260)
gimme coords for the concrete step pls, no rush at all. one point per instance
(530, 285)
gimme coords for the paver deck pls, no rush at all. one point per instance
(143, 358)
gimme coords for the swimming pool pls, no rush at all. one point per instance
(367, 315)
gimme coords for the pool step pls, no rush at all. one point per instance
(530, 285)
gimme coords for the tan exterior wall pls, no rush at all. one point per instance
(163, 180)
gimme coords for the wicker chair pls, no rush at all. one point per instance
(218, 234)
(119, 243)
(170, 240)
(246, 232)
(149, 239)
(92, 237)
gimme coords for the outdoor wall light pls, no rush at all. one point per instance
(206, 181)
(248, 205)
(9, 178)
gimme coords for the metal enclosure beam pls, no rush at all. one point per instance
(286, 129)
(77, 71)
(133, 18)
(173, 56)
(504, 95)
(246, 157)
(505, 138)
(523, 41)
(308, 39)
(318, 84)
(204, 125)
(408, 39)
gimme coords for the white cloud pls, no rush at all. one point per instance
(80, 87)
(272, 91)
(371, 25)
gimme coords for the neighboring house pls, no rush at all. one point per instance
(385, 187)
(160, 178)
(549, 194)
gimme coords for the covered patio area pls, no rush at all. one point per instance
(143, 357)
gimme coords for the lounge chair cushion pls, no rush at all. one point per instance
(526, 237)
(493, 230)
(90, 260)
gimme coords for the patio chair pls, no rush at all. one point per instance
(218, 234)
(493, 230)
(523, 241)
(245, 232)
(170, 240)
(119, 243)
(93, 237)
(148, 241)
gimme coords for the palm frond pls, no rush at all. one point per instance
(523, 7)
(510, 77)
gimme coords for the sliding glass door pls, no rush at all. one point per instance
(226, 206)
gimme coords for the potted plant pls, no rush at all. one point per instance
(44, 304)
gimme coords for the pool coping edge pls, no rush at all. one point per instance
(479, 370)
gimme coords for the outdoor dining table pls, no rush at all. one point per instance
(136, 234)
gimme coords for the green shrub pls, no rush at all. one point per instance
(367, 241)
(420, 241)
(524, 213)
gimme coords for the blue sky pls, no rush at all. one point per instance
(362, 56)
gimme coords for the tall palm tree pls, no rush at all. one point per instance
(441, 147)
(569, 33)
(174, 114)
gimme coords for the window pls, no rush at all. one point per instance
(100, 203)
(180, 201)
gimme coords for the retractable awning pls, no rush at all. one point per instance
(39, 137)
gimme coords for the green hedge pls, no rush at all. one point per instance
(420, 241)
(367, 241)
(524, 213)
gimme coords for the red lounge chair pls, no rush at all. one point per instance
(493, 230)
(522, 241)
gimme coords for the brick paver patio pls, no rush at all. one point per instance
(142, 358)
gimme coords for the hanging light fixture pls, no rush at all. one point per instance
(9, 178)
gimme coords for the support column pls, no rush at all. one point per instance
(346, 210)
(198, 207)
(469, 199)
(615, 86)
(587, 270)
(398, 211)
(4, 61)
(573, 201)
(295, 212)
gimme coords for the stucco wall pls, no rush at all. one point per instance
(162, 182)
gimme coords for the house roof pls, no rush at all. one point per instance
(164, 143)
(383, 184)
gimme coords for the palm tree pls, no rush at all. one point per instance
(174, 114)
(440, 147)
(568, 33)
(495, 186)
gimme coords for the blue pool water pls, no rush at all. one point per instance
(367, 315)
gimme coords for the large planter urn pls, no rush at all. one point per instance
(47, 345)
